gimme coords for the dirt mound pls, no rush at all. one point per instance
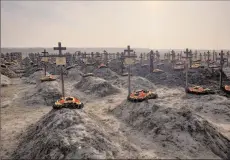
(136, 83)
(74, 75)
(34, 78)
(139, 70)
(115, 66)
(171, 78)
(177, 131)
(8, 72)
(45, 93)
(88, 69)
(105, 73)
(5, 81)
(66, 134)
(96, 86)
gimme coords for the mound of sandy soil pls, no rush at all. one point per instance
(88, 69)
(8, 72)
(139, 70)
(172, 78)
(74, 75)
(45, 93)
(34, 78)
(5, 81)
(96, 86)
(105, 73)
(177, 132)
(136, 83)
(67, 134)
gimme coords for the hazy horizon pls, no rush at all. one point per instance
(201, 25)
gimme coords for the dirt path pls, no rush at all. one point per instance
(15, 117)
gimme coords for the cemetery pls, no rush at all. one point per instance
(116, 105)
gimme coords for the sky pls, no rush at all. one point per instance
(144, 24)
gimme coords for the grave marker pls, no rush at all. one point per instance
(208, 54)
(45, 59)
(129, 56)
(188, 56)
(151, 61)
(222, 60)
(61, 60)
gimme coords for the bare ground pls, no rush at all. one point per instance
(135, 143)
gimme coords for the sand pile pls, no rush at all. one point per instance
(136, 83)
(96, 86)
(177, 132)
(67, 134)
(88, 69)
(115, 65)
(45, 93)
(105, 73)
(5, 81)
(35, 77)
(8, 72)
(139, 70)
(74, 75)
(172, 78)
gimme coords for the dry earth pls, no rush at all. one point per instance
(175, 125)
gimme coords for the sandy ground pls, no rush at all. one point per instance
(16, 117)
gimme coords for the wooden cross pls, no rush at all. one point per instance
(213, 55)
(151, 61)
(44, 54)
(195, 55)
(188, 55)
(60, 48)
(141, 56)
(128, 50)
(158, 55)
(200, 56)
(208, 54)
(227, 57)
(221, 67)
(173, 57)
(122, 58)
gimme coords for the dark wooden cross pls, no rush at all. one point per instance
(222, 60)
(128, 50)
(141, 58)
(227, 57)
(106, 57)
(158, 55)
(208, 54)
(213, 55)
(45, 53)
(122, 58)
(173, 57)
(151, 61)
(195, 55)
(200, 56)
(188, 56)
(60, 49)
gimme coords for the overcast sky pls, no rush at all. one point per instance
(148, 24)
